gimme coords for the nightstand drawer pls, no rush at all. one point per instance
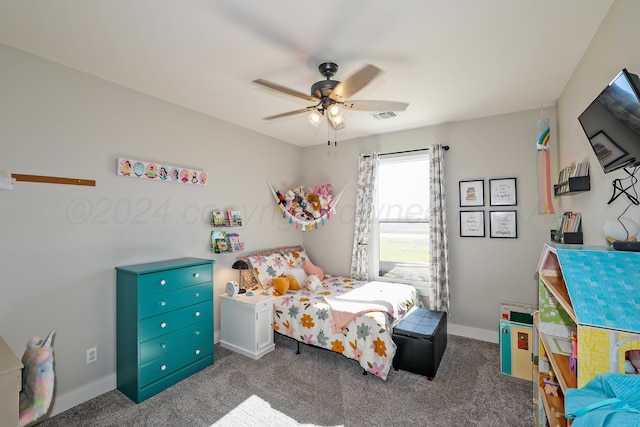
(163, 281)
(175, 341)
(164, 366)
(169, 322)
(164, 302)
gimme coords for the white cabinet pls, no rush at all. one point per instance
(10, 385)
(246, 324)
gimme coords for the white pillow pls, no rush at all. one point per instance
(298, 273)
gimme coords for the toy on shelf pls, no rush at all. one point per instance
(550, 384)
(573, 358)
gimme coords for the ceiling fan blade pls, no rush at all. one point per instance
(354, 83)
(375, 105)
(286, 90)
(290, 113)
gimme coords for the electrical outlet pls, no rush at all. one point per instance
(92, 354)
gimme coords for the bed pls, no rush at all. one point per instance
(350, 317)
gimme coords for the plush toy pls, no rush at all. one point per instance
(633, 367)
(311, 283)
(37, 379)
(323, 190)
(314, 200)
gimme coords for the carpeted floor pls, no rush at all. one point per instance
(321, 388)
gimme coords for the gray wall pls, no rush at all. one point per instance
(60, 243)
(483, 271)
(58, 268)
(615, 46)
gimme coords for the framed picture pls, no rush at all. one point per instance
(606, 150)
(472, 193)
(503, 224)
(471, 223)
(502, 192)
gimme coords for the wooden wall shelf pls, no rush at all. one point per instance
(53, 180)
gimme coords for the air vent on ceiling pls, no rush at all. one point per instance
(384, 116)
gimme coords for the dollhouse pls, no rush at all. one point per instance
(588, 321)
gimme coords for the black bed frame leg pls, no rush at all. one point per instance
(298, 349)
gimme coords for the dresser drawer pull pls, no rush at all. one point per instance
(163, 346)
(163, 303)
(196, 275)
(197, 314)
(163, 367)
(163, 325)
(198, 351)
(197, 294)
(163, 282)
(197, 332)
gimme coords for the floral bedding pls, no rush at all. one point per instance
(307, 317)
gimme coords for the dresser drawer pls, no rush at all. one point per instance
(157, 369)
(175, 341)
(163, 281)
(172, 321)
(152, 305)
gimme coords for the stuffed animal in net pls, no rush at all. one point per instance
(37, 380)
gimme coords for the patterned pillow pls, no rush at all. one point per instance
(295, 258)
(267, 267)
(249, 280)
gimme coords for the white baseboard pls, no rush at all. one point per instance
(475, 333)
(80, 395)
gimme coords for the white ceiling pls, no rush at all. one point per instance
(450, 60)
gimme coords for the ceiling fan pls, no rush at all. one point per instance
(332, 96)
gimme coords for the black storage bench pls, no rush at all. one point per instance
(421, 339)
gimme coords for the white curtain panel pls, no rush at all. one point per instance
(365, 192)
(438, 242)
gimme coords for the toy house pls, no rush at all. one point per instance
(588, 294)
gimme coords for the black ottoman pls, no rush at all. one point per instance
(421, 338)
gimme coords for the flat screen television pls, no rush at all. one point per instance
(612, 123)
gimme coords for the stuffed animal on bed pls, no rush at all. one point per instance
(37, 379)
(311, 283)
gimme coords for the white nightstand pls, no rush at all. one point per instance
(246, 324)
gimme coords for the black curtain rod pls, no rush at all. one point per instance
(446, 148)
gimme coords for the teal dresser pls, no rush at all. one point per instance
(164, 324)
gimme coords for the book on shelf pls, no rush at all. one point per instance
(234, 242)
(569, 222)
(218, 218)
(573, 171)
(219, 241)
(234, 218)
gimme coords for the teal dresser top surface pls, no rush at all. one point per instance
(603, 284)
(163, 265)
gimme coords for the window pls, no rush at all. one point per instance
(401, 220)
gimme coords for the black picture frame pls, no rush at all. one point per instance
(472, 224)
(503, 192)
(503, 224)
(471, 193)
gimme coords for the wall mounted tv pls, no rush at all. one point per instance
(612, 123)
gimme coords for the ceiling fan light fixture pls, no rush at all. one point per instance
(337, 120)
(315, 117)
(334, 111)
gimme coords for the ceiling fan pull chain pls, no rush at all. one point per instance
(328, 135)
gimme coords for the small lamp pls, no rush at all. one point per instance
(240, 265)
